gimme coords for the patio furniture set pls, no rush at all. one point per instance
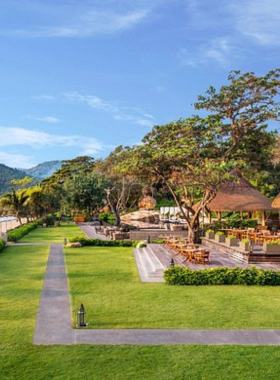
(191, 252)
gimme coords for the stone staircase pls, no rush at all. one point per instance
(149, 266)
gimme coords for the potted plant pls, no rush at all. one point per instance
(244, 245)
(220, 237)
(231, 241)
(210, 234)
(272, 246)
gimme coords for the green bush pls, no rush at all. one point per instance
(165, 203)
(231, 237)
(19, 232)
(273, 242)
(220, 233)
(2, 244)
(103, 243)
(232, 223)
(221, 276)
(157, 241)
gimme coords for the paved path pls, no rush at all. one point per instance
(53, 325)
(91, 233)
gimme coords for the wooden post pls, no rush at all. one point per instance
(263, 218)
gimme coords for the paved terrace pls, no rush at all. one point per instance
(152, 260)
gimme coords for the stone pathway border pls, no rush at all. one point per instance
(53, 325)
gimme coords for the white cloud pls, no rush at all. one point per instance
(16, 160)
(88, 24)
(118, 112)
(258, 19)
(43, 97)
(216, 51)
(47, 119)
(38, 139)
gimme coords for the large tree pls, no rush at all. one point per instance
(122, 190)
(16, 203)
(192, 157)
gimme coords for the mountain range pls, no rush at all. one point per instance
(38, 172)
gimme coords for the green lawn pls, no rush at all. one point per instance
(52, 234)
(107, 283)
(21, 279)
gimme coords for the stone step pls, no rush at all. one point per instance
(149, 270)
(155, 262)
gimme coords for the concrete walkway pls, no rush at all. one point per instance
(91, 233)
(53, 325)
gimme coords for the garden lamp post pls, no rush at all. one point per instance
(251, 246)
(81, 320)
(172, 263)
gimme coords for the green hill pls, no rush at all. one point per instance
(6, 175)
(38, 172)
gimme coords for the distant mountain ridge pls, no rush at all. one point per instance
(44, 170)
(38, 172)
(6, 175)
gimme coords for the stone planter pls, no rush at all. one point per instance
(220, 238)
(210, 235)
(175, 227)
(271, 248)
(232, 242)
(244, 247)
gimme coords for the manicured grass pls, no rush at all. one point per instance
(21, 279)
(52, 234)
(106, 281)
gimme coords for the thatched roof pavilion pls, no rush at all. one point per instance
(239, 195)
(276, 202)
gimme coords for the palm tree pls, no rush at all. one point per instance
(15, 202)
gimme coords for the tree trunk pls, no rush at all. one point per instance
(116, 214)
(115, 211)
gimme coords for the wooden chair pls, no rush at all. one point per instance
(202, 257)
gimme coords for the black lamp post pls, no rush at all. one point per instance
(81, 320)
(251, 246)
(172, 263)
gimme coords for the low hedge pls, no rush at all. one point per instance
(103, 243)
(19, 232)
(221, 276)
(2, 244)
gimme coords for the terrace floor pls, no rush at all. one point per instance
(155, 258)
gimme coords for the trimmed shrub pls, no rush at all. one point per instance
(107, 217)
(221, 276)
(19, 232)
(2, 244)
(103, 243)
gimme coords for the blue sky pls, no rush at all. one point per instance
(82, 77)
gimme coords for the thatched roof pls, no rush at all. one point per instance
(276, 202)
(239, 195)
